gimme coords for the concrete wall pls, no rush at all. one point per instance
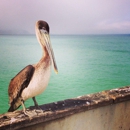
(106, 110)
(112, 117)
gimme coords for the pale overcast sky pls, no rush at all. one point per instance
(67, 16)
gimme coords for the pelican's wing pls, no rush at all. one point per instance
(19, 82)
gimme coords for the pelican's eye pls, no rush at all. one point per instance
(44, 30)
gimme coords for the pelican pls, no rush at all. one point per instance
(33, 79)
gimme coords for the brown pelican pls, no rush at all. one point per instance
(33, 79)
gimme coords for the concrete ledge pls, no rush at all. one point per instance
(62, 109)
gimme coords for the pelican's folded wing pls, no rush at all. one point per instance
(19, 82)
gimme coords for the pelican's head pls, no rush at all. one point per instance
(42, 33)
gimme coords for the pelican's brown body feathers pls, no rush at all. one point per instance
(21, 83)
(17, 84)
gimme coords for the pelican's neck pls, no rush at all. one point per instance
(45, 52)
(45, 61)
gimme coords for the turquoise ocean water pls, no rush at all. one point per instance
(86, 64)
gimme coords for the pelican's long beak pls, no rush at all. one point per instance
(46, 39)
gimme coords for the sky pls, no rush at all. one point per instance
(66, 16)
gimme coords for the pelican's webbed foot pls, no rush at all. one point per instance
(29, 114)
(37, 108)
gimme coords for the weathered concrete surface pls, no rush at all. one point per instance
(107, 110)
(112, 117)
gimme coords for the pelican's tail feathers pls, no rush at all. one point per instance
(14, 105)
